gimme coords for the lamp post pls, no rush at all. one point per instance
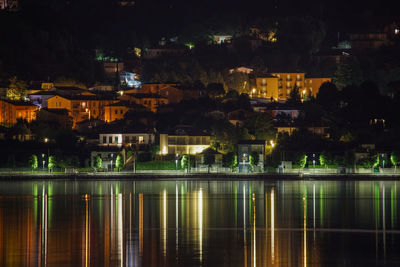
(176, 161)
(43, 161)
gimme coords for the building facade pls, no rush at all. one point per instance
(312, 85)
(81, 107)
(287, 82)
(11, 111)
(266, 87)
(183, 144)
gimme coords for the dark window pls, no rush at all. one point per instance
(104, 139)
(110, 139)
(116, 112)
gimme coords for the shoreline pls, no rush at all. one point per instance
(196, 176)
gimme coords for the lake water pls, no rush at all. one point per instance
(199, 223)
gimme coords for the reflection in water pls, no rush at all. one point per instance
(127, 223)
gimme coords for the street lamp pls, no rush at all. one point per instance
(43, 161)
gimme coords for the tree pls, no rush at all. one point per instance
(294, 96)
(395, 159)
(185, 162)
(230, 160)
(98, 162)
(348, 73)
(260, 125)
(16, 90)
(371, 161)
(52, 163)
(209, 158)
(254, 159)
(301, 160)
(215, 89)
(328, 94)
(33, 162)
(119, 162)
(326, 158)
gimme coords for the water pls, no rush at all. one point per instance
(199, 223)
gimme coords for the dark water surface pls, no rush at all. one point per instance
(199, 223)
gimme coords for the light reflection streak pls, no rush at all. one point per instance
(273, 226)
(254, 230)
(244, 226)
(200, 210)
(164, 222)
(87, 232)
(141, 224)
(176, 218)
(304, 232)
(314, 209)
(44, 227)
(120, 230)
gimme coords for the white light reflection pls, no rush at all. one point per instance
(273, 226)
(120, 229)
(44, 226)
(244, 225)
(176, 218)
(254, 230)
(200, 216)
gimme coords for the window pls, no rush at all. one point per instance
(104, 139)
(110, 139)
(288, 77)
(121, 111)
(116, 139)
(83, 104)
(140, 139)
(116, 112)
(126, 139)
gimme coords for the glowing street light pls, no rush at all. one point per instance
(272, 143)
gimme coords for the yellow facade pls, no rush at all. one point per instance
(288, 81)
(115, 112)
(11, 111)
(266, 87)
(312, 85)
(149, 101)
(81, 107)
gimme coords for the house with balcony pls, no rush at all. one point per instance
(184, 140)
(287, 82)
(245, 149)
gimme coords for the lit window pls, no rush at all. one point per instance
(140, 139)
(288, 76)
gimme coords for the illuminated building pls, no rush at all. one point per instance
(168, 90)
(287, 82)
(221, 38)
(81, 107)
(10, 111)
(150, 101)
(8, 4)
(129, 79)
(184, 140)
(115, 111)
(266, 87)
(312, 85)
(245, 149)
